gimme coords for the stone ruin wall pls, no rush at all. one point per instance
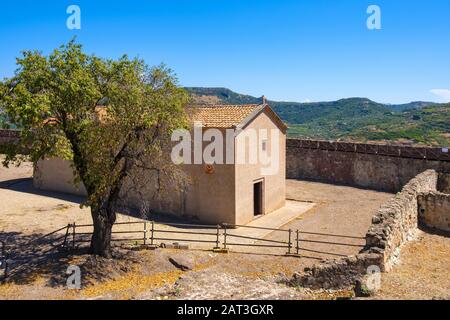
(7, 136)
(412, 171)
(434, 210)
(434, 207)
(395, 223)
(379, 167)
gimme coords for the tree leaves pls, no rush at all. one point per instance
(105, 115)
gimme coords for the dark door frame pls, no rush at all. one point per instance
(259, 183)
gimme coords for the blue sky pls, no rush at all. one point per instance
(287, 50)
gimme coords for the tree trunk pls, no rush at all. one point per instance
(101, 238)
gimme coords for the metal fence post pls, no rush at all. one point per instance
(290, 241)
(152, 233)
(217, 239)
(224, 236)
(66, 236)
(297, 247)
(73, 235)
(145, 233)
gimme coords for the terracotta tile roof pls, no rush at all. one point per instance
(211, 116)
(221, 116)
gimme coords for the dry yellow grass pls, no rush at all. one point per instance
(133, 283)
(11, 291)
(423, 272)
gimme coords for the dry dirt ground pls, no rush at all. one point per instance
(149, 274)
(339, 210)
(26, 213)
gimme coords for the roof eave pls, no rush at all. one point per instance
(244, 123)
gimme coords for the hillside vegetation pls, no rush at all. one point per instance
(353, 119)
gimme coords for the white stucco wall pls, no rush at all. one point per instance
(226, 195)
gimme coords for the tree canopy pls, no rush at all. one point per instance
(111, 118)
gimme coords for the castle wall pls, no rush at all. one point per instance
(379, 167)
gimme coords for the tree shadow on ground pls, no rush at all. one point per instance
(26, 186)
(434, 231)
(167, 219)
(30, 258)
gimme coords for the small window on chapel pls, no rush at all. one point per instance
(264, 145)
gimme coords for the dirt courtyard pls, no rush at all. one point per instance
(27, 213)
(339, 210)
(423, 272)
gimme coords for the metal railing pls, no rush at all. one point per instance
(74, 235)
(149, 232)
(16, 255)
(221, 236)
(268, 243)
(293, 242)
(53, 242)
(215, 235)
(299, 240)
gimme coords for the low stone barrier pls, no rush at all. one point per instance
(444, 182)
(434, 210)
(338, 273)
(379, 167)
(395, 223)
(9, 136)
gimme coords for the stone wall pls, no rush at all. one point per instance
(434, 210)
(396, 221)
(444, 182)
(338, 273)
(7, 139)
(380, 167)
(8, 136)
(393, 225)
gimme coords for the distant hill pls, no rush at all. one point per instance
(222, 95)
(352, 119)
(411, 105)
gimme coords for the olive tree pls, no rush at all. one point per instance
(111, 118)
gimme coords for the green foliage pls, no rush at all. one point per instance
(56, 100)
(426, 126)
(112, 118)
